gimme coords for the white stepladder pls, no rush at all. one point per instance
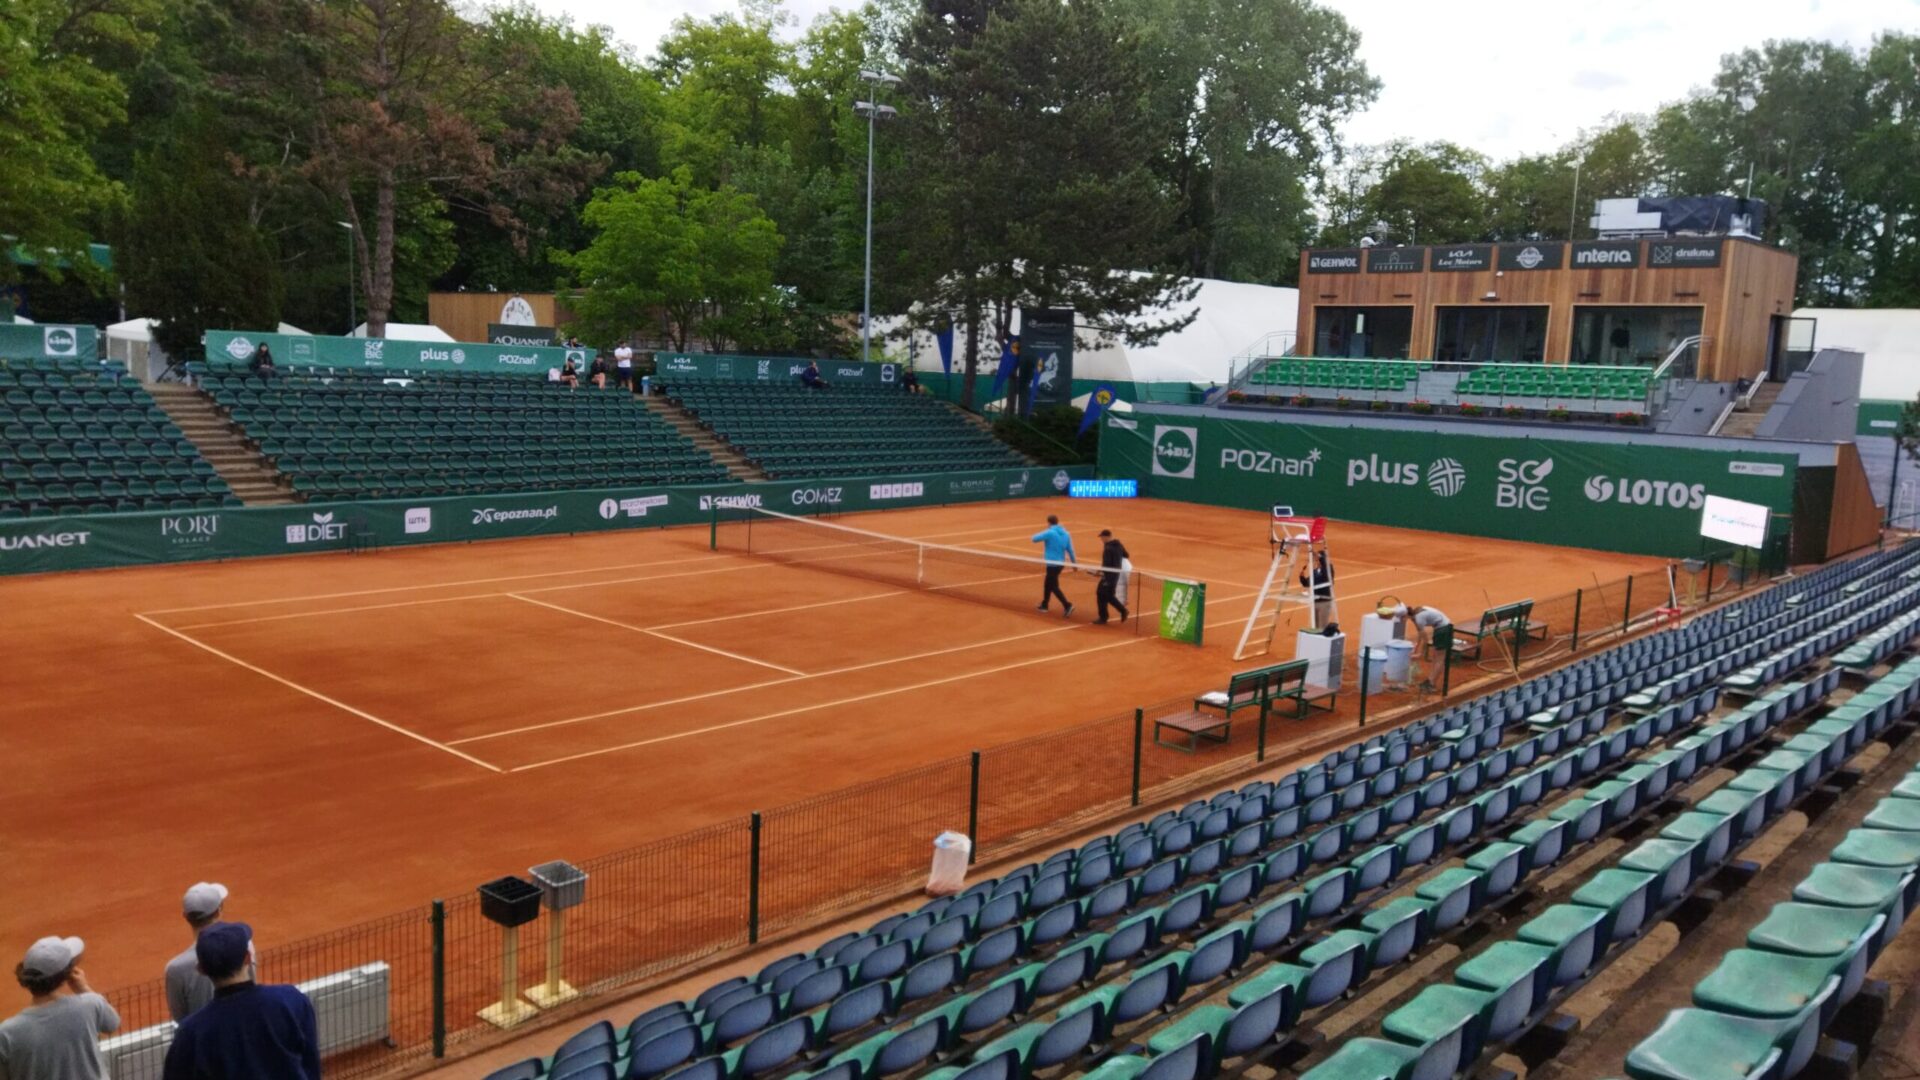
(1293, 539)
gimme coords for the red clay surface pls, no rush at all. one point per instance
(339, 737)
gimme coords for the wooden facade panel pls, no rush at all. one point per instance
(1855, 521)
(1736, 298)
(465, 315)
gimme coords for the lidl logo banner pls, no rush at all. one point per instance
(1176, 451)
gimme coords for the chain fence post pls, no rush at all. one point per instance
(753, 883)
(1260, 752)
(1574, 646)
(439, 923)
(973, 810)
(1366, 654)
(1139, 721)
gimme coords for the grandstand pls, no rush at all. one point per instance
(83, 437)
(1512, 848)
(792, 432)
(342, 434)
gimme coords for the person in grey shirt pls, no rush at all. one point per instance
(188, 991)
(57, 1037)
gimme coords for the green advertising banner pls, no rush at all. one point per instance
(724, 367)
(234, 348)
(1611, 496)
(1183, 611)
(35, 545)
(28, 341)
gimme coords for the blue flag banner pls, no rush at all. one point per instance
(944, 338)
(1098, 402)
(1008, 360)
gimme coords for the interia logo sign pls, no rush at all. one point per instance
(190, 529)
(322, 529)
(912, 490)
(44, 540)
(1176, 450)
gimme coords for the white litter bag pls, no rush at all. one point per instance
(950, 853)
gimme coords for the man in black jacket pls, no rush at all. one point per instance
(1318, 579)
(1113, 559)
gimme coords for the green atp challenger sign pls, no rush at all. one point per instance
(1183, 611)
(234, 348)
(1612, 496)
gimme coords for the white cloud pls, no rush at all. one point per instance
(1504, 77)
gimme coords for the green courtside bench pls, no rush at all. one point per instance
(1260, 689)
(1513, 621)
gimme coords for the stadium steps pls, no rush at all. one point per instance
(249, 475)
(721, 451)
(985, 425)
(1745, 424)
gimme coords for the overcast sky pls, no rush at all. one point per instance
(1504, 77)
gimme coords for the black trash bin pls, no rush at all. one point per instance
(510, 901)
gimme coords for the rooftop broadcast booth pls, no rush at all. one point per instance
(1621, 303)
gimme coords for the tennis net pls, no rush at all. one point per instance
(988, 577)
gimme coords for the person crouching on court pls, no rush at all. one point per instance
(1113, 562)
(58, 1036)
(1058, 550)
(248, 1032)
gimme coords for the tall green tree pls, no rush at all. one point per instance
(59, 92)
(1259, 89)
(1026, 175)
(698, 260)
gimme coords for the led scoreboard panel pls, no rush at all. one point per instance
(1104, 489)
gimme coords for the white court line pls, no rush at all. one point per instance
(884, 693)
(779, 610)
(658, 634)
(1227, 544)
(491, 580)
(318, 696)
(1049, 658)
(756, 686)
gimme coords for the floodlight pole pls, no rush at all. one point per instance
(874, 112)
(353, 317)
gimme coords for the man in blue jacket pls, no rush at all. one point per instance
(1058, 547)
(248, 1032)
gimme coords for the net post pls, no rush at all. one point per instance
(1574, 645)
(1139, 724)
(438, 920)
(973, 809)
(713, 526)
(1626, 614)
(1366, 654)
(753, 881)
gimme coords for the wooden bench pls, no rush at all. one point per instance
(1513, 620)
(1197, 725)
(1289, 683)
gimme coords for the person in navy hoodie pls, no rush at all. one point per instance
(248, 1031)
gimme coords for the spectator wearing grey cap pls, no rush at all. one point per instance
(57, 1037)
(249, 1032)
(188, 991)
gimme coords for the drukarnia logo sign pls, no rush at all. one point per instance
(1523, 485)
(1668, 493)
(1175, 451)
(634, 507)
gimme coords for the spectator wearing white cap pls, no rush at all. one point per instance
(188, 991)
(57, 1037)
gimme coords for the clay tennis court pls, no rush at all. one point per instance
(337, 737)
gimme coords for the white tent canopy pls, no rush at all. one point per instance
(1232, 318)
(407, 332)
(1890, 339)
